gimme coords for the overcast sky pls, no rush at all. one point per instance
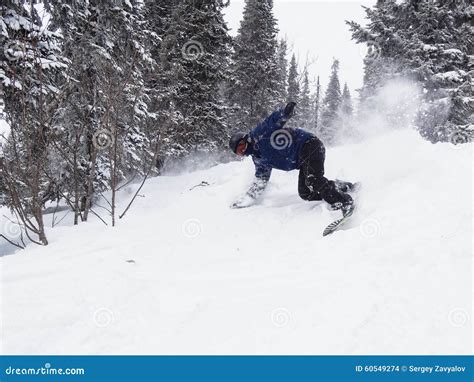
(317, 28)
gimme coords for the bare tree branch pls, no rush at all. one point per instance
(155, 156)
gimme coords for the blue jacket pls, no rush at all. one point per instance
(273, 146)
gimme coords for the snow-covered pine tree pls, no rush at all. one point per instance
(30, 73)
(346, 111)
(255, 65)
(305, 111)
(379, 66)
(429, 41)
(158, 15)
(442, 59)
(330, 121)
(99, 127)
(346, 102)
(282, 69)
(316, 108)
(194, 61)
(293, 92)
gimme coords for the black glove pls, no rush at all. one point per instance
(289, 109)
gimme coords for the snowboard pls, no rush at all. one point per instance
(336, 224)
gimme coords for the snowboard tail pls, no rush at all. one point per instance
(336, 224)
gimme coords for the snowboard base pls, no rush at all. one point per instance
(336, 224)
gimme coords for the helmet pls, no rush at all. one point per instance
(235, 139)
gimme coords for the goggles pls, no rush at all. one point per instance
(241, 147)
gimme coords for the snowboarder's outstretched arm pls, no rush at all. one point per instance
(262, 176)
(274, 121)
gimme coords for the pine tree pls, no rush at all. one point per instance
(429, 42)
(332, 100)
(101, 121)
(316, 107)
(254, 85)
(305, 111)
(379, 65)
(293, 82)
(346, 102)
(345, 114)
(282, 70)
(195, 64)
(445, 69)
(31, 69)
(158, 16)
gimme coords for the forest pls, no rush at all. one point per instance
(101, 94)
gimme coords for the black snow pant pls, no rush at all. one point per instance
(312, 184)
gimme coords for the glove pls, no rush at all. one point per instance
(289, 109)
(251, 196)
(243, 202)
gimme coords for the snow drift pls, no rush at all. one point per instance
(184, 274)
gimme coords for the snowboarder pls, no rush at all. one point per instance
(273, 146)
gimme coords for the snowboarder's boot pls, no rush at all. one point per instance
(337, 199)
(347, 208)
(344, 186)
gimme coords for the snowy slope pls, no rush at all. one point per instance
(184, 274)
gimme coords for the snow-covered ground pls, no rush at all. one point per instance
(184, 274)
